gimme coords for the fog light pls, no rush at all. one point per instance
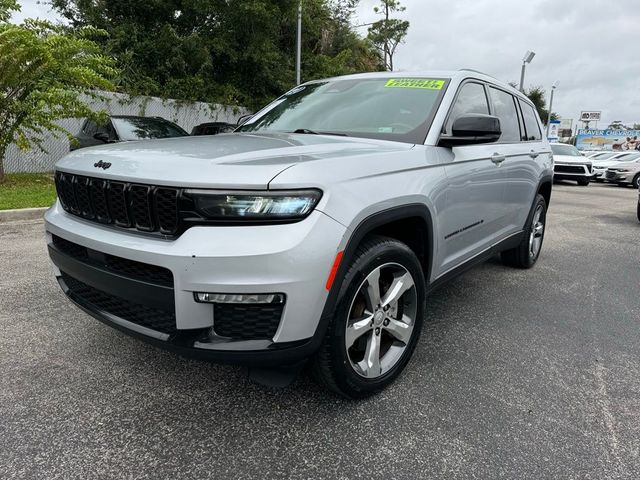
(239, 298)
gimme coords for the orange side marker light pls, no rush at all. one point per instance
(334, 270)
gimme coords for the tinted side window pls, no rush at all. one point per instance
(530, 122)
(108, 129)
(471, 99)
(505, 109)
(89, 128)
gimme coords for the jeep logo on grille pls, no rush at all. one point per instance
(102, 165)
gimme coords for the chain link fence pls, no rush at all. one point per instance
(187, 115)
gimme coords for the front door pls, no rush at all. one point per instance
(473, 217)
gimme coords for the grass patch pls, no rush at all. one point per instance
(27, 190)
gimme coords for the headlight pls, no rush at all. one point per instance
(255, 206)
(623, 170)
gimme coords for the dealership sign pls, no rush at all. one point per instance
(590, 116)
(616, 140)
(554, 131)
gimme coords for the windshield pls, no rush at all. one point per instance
(602, 156)
(561, 149)
(627, 157)
(136, 128)
(389, 109)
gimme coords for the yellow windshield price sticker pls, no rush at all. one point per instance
(427, 83)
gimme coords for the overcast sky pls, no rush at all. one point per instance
(590, 47)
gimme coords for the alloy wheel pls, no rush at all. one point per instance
(381, 320)
(537, 230)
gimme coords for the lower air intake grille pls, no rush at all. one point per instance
(569, 169)
(123, 266)
(246, 322)
(96, 300)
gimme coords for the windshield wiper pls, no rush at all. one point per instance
(307, 131)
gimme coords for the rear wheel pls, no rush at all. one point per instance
(526, 254)
(377, 322)
(583, 182)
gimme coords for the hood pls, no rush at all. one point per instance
(631, 166)
(571, 159)
(235, 160)
(605, 163)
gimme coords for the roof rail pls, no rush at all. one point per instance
(475, 71)
(491, 76)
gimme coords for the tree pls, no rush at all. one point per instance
(537, 97)
(45, 72)
(235, 52)
(617, 125)
(388, 33)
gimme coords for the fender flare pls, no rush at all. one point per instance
(364, 228)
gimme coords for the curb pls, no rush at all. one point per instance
(21, 214)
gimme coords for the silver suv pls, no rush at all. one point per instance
(312, 234)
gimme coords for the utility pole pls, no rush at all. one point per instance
(527, 59)
(387, 61)
(299, 46)
(553, 89)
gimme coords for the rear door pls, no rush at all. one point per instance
(473, 216)
(519, 166)
(524, 176)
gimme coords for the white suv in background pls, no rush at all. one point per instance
(312, 233)
(570, 164)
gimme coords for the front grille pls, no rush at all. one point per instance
(145, 208)
(97, 300)
(611, 174)
(569, 169)
(247, 322)
(122, 266)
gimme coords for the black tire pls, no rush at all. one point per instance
(331, 365)
(520, 256)
(583, 182)
(638, 211)
(636, 182)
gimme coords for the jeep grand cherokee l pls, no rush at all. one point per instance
(313, 233)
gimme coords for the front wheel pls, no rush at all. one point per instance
(636, 181)
(583, 182)
(527, 252)
(377, 322)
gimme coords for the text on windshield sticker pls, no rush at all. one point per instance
(415, 83)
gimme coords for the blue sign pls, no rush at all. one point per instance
(616, 140)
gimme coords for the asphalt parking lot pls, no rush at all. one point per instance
(519, 374)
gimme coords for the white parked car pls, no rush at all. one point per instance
(625, 173)
(601, 164)
(569, 164)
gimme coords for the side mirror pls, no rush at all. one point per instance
(103, 137)
(472, 129)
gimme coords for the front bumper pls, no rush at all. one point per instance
(293, 259)
(571, 171)
(619, 177)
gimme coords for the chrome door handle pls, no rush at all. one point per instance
(533, 154)
(497, 158)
